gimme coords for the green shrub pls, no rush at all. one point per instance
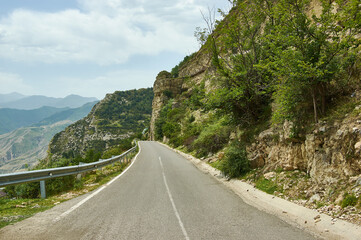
(26, 190)
(168, 94)
(58, 185)
(212, 138)
(349, 200)
(235, 162)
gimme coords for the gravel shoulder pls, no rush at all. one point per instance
(304, 218)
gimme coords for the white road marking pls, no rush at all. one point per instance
(96, 192)
(173, 204)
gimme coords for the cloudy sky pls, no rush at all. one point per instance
(93, 47)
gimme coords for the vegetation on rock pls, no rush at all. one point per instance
(272, 63)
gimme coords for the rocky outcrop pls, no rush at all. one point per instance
(330, 153)
(165, 87)
(190, 75)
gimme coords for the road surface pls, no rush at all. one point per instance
(161, 196)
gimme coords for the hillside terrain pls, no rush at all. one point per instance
(22, 148)
(114, 121)
(273, 96)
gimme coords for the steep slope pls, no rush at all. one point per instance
(118, 116)
(24, 147)
(34, 102)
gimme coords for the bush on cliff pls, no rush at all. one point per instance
(235, 162)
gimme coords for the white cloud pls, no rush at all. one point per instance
(10, 82)
(102, 31)
(104, 83)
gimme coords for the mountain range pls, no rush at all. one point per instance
(10, 97)
(11, 119)
(19, 101)
(22, 147)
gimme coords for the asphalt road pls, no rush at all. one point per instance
(161, 196)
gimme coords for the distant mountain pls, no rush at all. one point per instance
(11, 97)
(75, 101)
(73, 114)
(11, 119)
(38, 101)
(23, 147)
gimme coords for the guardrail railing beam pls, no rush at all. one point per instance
(44, 174)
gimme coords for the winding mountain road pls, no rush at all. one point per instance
(161, 196)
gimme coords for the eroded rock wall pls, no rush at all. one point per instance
(330, 153)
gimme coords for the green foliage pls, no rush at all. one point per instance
(57, 185)
(307, 53)
(125, 111)
(268, 186)
(161, 120)
(212, 138)
(10, 214)
(175, 70)
(349, 200)
(235, 162)
(123, 145)
(197, 97)
(28, 190)
(245, 89)
(168, 94)
(92, 156)
(277, 50)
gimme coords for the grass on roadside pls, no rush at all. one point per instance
(15, 210)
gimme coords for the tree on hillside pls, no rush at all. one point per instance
(306, 53)
(281, 47)
(238, 49)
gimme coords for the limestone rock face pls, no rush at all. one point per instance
(164, 87)
(327, 156)
(190, 75)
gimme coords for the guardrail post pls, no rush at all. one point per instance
(42, 189)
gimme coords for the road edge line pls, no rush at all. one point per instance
(64, 214)
(256, 198)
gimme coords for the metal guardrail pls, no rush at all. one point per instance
(44, 174)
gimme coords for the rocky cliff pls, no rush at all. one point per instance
(164, 87)
(329, 153)
(191, 74)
